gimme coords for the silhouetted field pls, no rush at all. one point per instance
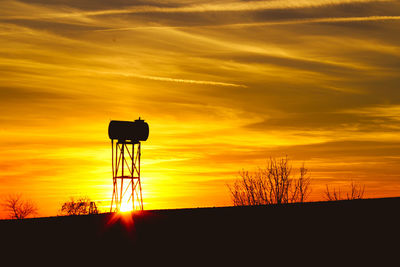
(318, 233)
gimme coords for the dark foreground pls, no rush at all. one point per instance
(312, 233)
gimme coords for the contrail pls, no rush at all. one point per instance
(168, 79)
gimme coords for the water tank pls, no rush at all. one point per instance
(134, 131)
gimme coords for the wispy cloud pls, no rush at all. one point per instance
(266, 23)
(309, 20)
(203, 7)
(231, 6)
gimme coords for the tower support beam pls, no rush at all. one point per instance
(126, 166)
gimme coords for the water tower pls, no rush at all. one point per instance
(125, 144)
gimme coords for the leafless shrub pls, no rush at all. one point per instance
(80, 206)
(17, 208)
(278, 181)
(356, 192)
(302, 186)
(273, 185)
(249, 190)
(332, 194)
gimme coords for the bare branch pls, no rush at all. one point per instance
(273, 185)
(302, 186)
(356, 192)
(81, 206)
(17, 208)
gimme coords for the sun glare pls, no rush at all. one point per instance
(125, 207)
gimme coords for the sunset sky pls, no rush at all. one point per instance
(223, 85)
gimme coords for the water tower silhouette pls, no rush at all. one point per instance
(125, 143)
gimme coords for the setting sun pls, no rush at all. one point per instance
(125, 207)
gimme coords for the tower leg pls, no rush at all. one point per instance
(126, 165)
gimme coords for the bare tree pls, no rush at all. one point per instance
(18, 208)
(249, 189)
(302, 186)
(333, 194)
(273, 185)
(356, 192)
(80, 206)
(279, 182)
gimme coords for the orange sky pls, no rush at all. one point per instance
(223, 86)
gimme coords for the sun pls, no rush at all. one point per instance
(125, 207)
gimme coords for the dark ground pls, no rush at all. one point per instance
(320, 233)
